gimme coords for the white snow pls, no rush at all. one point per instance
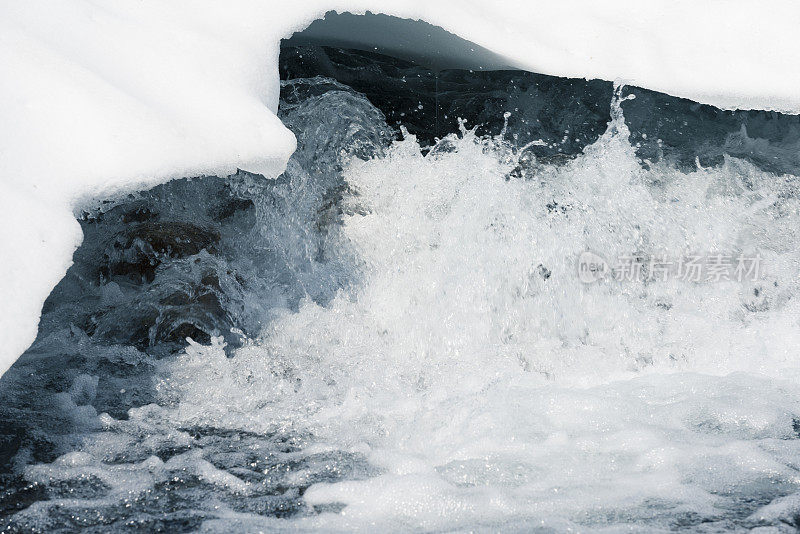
(99, 98)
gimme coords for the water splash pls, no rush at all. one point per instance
(439, 364)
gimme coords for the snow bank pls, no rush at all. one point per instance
(102, 98)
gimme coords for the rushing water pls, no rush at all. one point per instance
(400, 337)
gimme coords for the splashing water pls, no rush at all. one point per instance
(451, 370)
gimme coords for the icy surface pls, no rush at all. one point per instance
(104, 98)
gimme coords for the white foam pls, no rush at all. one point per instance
(491, 395)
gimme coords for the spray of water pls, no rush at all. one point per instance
(487, 382)
(467, 377)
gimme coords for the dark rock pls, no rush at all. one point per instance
(429, 103)
(231, 207)
(566, 114)
(136, 253)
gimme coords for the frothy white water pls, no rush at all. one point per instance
(490, 386)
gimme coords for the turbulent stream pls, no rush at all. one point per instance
(574, 309)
